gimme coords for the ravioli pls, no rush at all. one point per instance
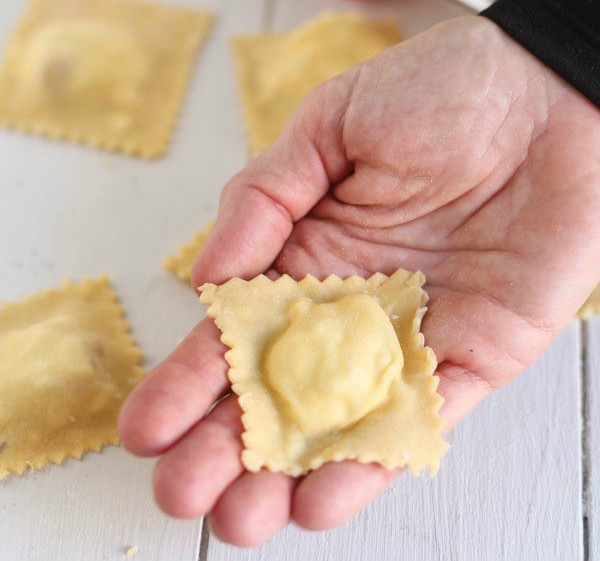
(67, 363)
(276, 71)
(331, 370)
(108, 73)
(180, 264)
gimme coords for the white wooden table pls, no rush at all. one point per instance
(520, 481)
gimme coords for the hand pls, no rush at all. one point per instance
(455, 152)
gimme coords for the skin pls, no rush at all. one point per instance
(456, 153)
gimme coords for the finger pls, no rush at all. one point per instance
(389, 189)
(259, 205)
(176, 394)
(256, 506)
(462, 390)
(330, 495)
(191, 476)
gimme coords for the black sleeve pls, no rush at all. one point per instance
(563, 34)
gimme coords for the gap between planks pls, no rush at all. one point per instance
(268, 15)
(585, 438)
(204, 539)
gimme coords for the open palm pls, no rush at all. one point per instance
(456, 153)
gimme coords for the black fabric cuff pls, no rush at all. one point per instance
(563, 34)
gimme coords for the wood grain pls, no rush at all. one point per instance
(592, 460)
(69, 211)
(508, 489)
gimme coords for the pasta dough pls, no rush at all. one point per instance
(330, 370)
(328, 375)
(181, 263)
(591, 306)
(67, 363)
(277, 71)
(110, 73)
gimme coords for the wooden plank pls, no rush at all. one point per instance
(92, 509)
(69, 211)
(413, 17)
(592, 445)
(508, 489)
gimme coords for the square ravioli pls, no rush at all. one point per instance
(108, 73)
(67, 363)
(331, 370)
(276, 71)
(181, 263)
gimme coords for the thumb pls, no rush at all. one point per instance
(260, 204)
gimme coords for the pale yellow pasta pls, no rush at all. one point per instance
(591, 306)
(276, 71)
(180, 264)
(109, 73)
(331, 370)
(67, 362)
